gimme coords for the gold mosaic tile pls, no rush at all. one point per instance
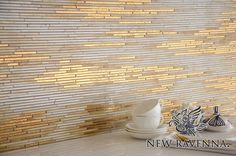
(79, 67)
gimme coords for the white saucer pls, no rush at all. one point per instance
(143, 136)
(132, 128)
(135, 132)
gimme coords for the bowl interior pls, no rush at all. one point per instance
(145, 106)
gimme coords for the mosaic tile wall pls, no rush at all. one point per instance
(72, 68)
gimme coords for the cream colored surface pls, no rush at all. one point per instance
(110, 144)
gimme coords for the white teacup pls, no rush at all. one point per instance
(147, 114)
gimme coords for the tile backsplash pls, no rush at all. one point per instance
(73, 68)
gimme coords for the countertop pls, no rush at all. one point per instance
(116, 143)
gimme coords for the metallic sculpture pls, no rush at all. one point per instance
(216, 119)
(188, 121)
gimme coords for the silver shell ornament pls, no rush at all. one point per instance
(217, 122)
(216, 119)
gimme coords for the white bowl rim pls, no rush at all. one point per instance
(142, 109)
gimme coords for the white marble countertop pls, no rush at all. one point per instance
(110, 144)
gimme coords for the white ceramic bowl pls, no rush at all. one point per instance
(148, 108)
(147, 114)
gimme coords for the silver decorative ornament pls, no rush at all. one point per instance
(188, 121)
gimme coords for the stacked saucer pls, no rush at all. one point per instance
(145, 133)
(148, 121)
